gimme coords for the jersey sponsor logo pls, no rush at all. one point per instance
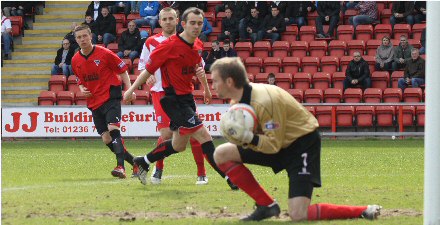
(271, 125)
(188, 70)
(192, 120)
(122, 64)
(97, 62)
(91, 77)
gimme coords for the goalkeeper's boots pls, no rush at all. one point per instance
(135, 171)
(119, 171)
(263, 212)
(156, 178)
(143, 168)
(232, 185)
(202, 180)
(372, 212)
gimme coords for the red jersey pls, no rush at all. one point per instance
(177, 60)
(97, 72)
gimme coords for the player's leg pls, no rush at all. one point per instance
(165, 134)
(199, 159)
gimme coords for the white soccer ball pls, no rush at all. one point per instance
(250, 117)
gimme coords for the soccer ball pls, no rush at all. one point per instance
(250, 117)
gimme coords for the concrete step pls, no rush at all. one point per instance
(36, 70)
(25, 78)
(46, 33)
(33, 55)
(65, 10)
(37, 48)
(67, 4)
(41, 88)
(60, 18)
(42, 40)
(29, 64)
(52, 26)
(29, 85)
(33, 101)
(15, 104)
(21, 92)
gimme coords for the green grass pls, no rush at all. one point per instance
(69, 182)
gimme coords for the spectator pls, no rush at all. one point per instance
(214, 54)
(125, 6)
(348, 5)
(206, 30)
(271, 79)
(95, 9)
(414, 74)
(272, 27)
(423, 42)
(420, 9)
(251, 25)
(281, 5)
(329, 14)
(228, 51)
(6, 36)
(71, 36)
(385, 55)
(402, 53)
(229, 27)
(92, 25)
(296, 12)
(149, 11)
(18, 8)
(402, 12)
(367, 13)
(179, 28)
(63, 60)
(357, 73)
(106, 27)
(130, 42)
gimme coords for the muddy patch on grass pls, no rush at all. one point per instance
(400, 212)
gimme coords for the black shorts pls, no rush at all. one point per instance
(181, 109)
(301, 160)
(107, 113)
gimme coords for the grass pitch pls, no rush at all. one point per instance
(69, 182)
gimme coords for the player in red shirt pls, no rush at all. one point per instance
(99, 72)
(179, 60)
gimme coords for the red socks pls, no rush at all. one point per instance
(198, 157)
(323, 211)
(243, 178)
(159, 163)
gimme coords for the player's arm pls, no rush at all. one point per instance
(272, 138)
(200, 73)
(139, 81)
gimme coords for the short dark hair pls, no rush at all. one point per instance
(271, 75)
(231, 67)
(105, 7)
(194, 10)
(226, 42)
(216, 41)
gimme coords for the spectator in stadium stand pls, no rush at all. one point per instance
(179, 28)
(402, 12)
(130, 42)
(423, 42)
(206, 30)
(251, 26)
(95, 8)
(228, 51)
(367, 13)
(272, 27)
(414, 74)
(149, 12)
(6, 36)
(420, 11)
(385, 55)
(402, 53)
(19, 8)
(296, 12)
(215, 53)
(125, 7)
(229, 27)
(328, 14)
(271, 79)
(281, 5)
(357, 73)
(348, 5)
(92, 25)
(106, 27)
(63, 60)
(184, 5)
(71, 36)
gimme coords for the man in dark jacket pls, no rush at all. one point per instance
(63, 60)
(106, 27)
(272, 27)
(251, 26)
(71, 36)
(402, 12)
(414, 74)
(130, 42)
(92, 25)
(357, 73)
(228, 51)
(402, 53)
(296, 12)
(229, 27)
(215, 53)
(329, 14)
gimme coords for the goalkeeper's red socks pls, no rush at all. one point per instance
(323, 211)
(198, 157)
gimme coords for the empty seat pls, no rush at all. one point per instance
(80, 99)
(401, 29)
(385, 116)
(392, 95)
(218, 18)
(272, 65)
(338, 80)
(262, 49)
(412, 95)
(380, 79)
(353, 95)
(113, 47)
(318, 48)
(385, 16)
(284, 80)
(321, 80)
(72, 84)
(355, 46)
(120, 18)
(214, 34)
(132, 16)
(280, 49)
(371, 60)
(408, 114)
(382, 30)
(243, 49)
(364, 32)
(302, 81)
(291, 64)
(373, 95)
(344, 61)
(298, 94)
(332, 95)
(210, 16)
(299, 48)
(344, 116)
(345, 32)
(417, 30)
(310, 64)
(395, 76)
(415, 43)
(307, 33)
(250, 77)
(365, 116)
(142, 97)
(311, 109)
(329, 64)
(65, 98)
(290, 34)
(253, 65)
(324, 115)
(47, 98)
(261, 78)
(420, 115)
(57, 83)
(349, 13)
(337, 48)
(372, 46)
(313, 96)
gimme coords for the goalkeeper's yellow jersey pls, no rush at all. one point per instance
(281, 119)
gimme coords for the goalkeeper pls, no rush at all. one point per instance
(286, 138)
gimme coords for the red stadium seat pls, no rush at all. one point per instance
(337, 48)
(57, 83)
(133, 16)
(332, 95)
(261, 78)
(318, 48)
(290, 34)
(253, 65)
(113, 47)
(272, 65)
(415, 43)
(345, 60)
(371, 60)
(199, 96)
(65, 98)
(80, 99)
(364, 32)
(313, 96)
(243, 49)
(353, 95)
(47, 98)
(385, 116)
(298, 94)
(380, 79)
(307, 33)
(345, 32)
(284, 80)
(382, 30)
(262, 49)
(349, 13)
(311, 18)
(72, 84)
(355, 46)
(250, 77)
(311, 109)
(408, 113)
(365, 116)
(381, 5)
(280, 49)
(324, 115)
(417, 30)
(210, 16)
(142, 97)
(385, 16)
(135, 64)
(395, 76)
(412, 95)
(299, 48)
(344, 116)
(420, 115)
(207, 46)
(120, 18)
(372, 46)
(401, 29)
(329, 64)
(310, 64)
(219, 17)
(212, 4)
(291, 64)
(373, 95)
(129, 65)
(302, 81)
(338, 80)
(321, 80)
(215, 32)
(391, 95)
